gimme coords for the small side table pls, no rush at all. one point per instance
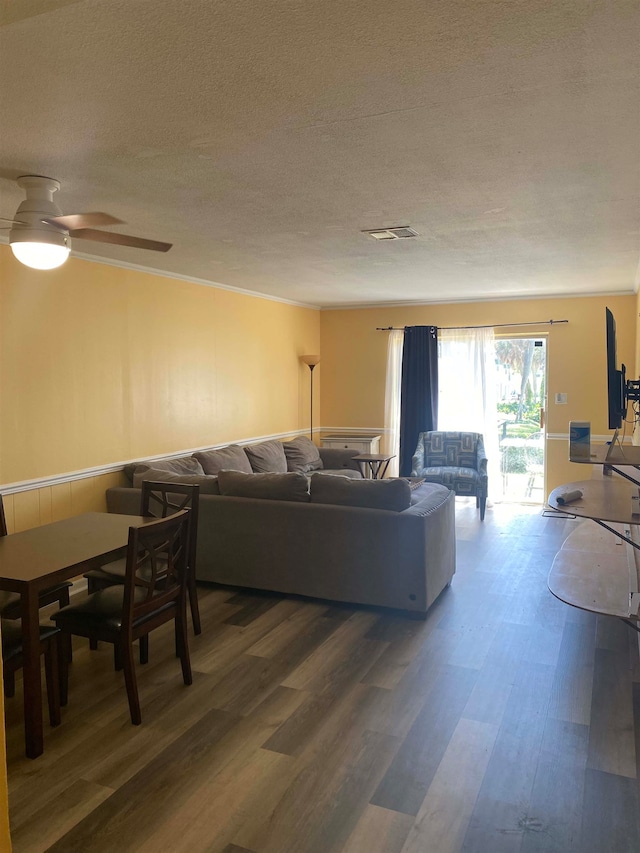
(375, 462)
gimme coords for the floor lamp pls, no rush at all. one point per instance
(311, 361)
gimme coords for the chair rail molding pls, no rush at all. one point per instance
(112, 467)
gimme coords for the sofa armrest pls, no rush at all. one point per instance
(481, 457)
(334, 458)
(417, 460)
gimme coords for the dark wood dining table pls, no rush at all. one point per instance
(35, 559)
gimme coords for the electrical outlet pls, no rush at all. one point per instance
(561, 399)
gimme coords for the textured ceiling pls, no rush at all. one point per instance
(262, 137)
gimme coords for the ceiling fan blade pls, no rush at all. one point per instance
(120, 239)
(13, 221)
(82, 220)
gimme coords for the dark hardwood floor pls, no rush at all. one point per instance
(506, 722)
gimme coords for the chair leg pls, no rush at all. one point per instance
(52, 657)
(64, 601)
(93, 645)
(131, 683)
(182, 647)
(9, 684)
(63, 669)
(193, 602)
(117, 657)
(483, 504)
(144, 648)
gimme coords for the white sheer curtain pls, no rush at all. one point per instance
(467, 398)
(392, 399)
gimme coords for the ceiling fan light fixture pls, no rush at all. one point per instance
(35, 243)
(39, 255)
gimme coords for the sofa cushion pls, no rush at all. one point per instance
(208, 484)
(302, 455)
(231, 458)
(336, 472)
(183, 465)
(394, 495)
(267, 457)
(278, 487)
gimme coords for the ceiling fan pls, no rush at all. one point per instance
(40, 234)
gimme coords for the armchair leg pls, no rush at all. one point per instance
(483, 503)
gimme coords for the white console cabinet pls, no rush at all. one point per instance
(361, 443)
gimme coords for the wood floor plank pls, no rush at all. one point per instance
(378, 829)
(512, 767)
(405, 784)
(299, 624)
(490, 695)
(319, 668)
(40, 828)
(218, 806)
(495, 826)
(405, 639)
(573, 681)
(442, 819)
(394, 711)
(132, 811)
(556, 800)
(219, 656)
(322, 805)
(611, 733)
(609, 814)
(250, 610)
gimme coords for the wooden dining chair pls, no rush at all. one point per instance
(10, 604)
(12, 662)
(160, 500)
(154, 592)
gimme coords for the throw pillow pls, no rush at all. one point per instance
(267, 457)
(277, 487)
(208, 485)
(302, 455)
(184, 465)
(394, 495)
(231, 458)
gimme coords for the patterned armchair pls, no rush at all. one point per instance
(457, 460)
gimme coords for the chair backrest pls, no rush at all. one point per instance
(3, 520)
(451, 449)
(156, 572)
(161, 500)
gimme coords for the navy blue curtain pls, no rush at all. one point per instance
(419, 390)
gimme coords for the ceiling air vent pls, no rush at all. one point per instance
(398, 233)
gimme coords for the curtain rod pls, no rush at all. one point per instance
(489, 326)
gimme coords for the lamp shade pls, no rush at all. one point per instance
(311, 360)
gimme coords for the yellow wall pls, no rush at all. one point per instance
(354, 359)
(100, 365)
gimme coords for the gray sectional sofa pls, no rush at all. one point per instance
(325, 535)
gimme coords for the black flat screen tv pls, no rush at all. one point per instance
(616, 378)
